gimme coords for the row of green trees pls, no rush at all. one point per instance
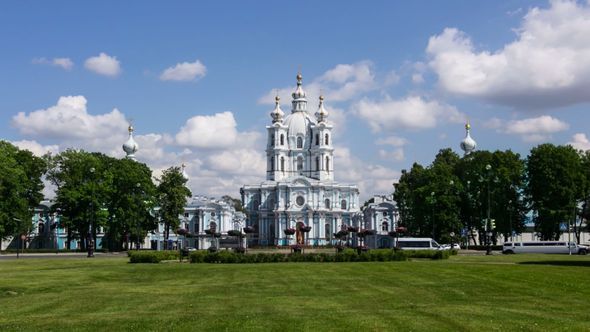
(92, 190)
(454, 194)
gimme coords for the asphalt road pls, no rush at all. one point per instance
(98, 255)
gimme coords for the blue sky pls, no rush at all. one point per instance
(400, 78)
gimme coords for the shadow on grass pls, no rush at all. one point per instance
(559, 263)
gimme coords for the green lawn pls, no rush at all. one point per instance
(464, 293)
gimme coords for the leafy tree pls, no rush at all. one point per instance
(505, 181)
(131, 200)
(83, 182)
(410, 199)
(555, 185)
(20, 188)
(172, 195)
(236, 203)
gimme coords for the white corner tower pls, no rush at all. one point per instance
(468, 144)
(130, 147)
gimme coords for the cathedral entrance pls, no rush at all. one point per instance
(300, 235)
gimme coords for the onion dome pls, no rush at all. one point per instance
(299, 93)
(130, 147)
(468, 144)
(299, 103)
(321, 115)
(277, 114)
(184, 175)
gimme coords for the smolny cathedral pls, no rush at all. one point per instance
(299, 190)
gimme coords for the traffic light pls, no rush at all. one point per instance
(493, 223)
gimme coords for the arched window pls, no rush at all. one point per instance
(282, 164)
(385, 226)
(317, 139)
(299, 163)
(282, 139)
(317, 163)
(326, 140)
(272, 140)
(327, 164)
(213, 226)
(272, 164)
(299, 142)
(343, 204)
(327, 203)
(41, 228)
(328, 230)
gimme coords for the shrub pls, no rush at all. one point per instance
(145, 256)
(347, 255)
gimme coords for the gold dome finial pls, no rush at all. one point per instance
(467, 125)
(277, 99)
(130, 128)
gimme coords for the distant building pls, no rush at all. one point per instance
(382, 216)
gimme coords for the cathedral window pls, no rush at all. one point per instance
(327, 203)
(328, 164)
(328, 231)
(317, 139)
(299, 142)
(317, 163)
(343, 204)
(385, 226)
(326, 139)
(282, 139)
(272, 164)
(41, 228)
(272, 140)
(282, 164)
(213, 227)
(299, 163)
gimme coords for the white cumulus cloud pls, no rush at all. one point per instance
(69, 119)
(580, 141)
(547, 65)
(64, 63)
(412, 112)
(341, 83)
(185, 71)
(103, 64)
(533, 130)
(36, 148)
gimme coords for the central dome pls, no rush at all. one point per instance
(298, 124)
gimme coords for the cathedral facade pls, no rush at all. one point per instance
(299, 194)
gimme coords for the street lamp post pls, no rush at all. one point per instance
(90, 238)
(488, 231)
(138, 186)
(432, 200)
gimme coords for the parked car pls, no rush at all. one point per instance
(544, 247)
(455, 246)
(417, 243)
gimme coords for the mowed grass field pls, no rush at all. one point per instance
(464, 293)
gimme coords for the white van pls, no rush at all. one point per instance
(544, 247)
(417, 243)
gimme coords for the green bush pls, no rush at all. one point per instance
(145, 256)
(430, 254)
(347, 255)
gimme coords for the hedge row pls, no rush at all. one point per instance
(348, 255)
(152, 256)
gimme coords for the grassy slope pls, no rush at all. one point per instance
(463, 293)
